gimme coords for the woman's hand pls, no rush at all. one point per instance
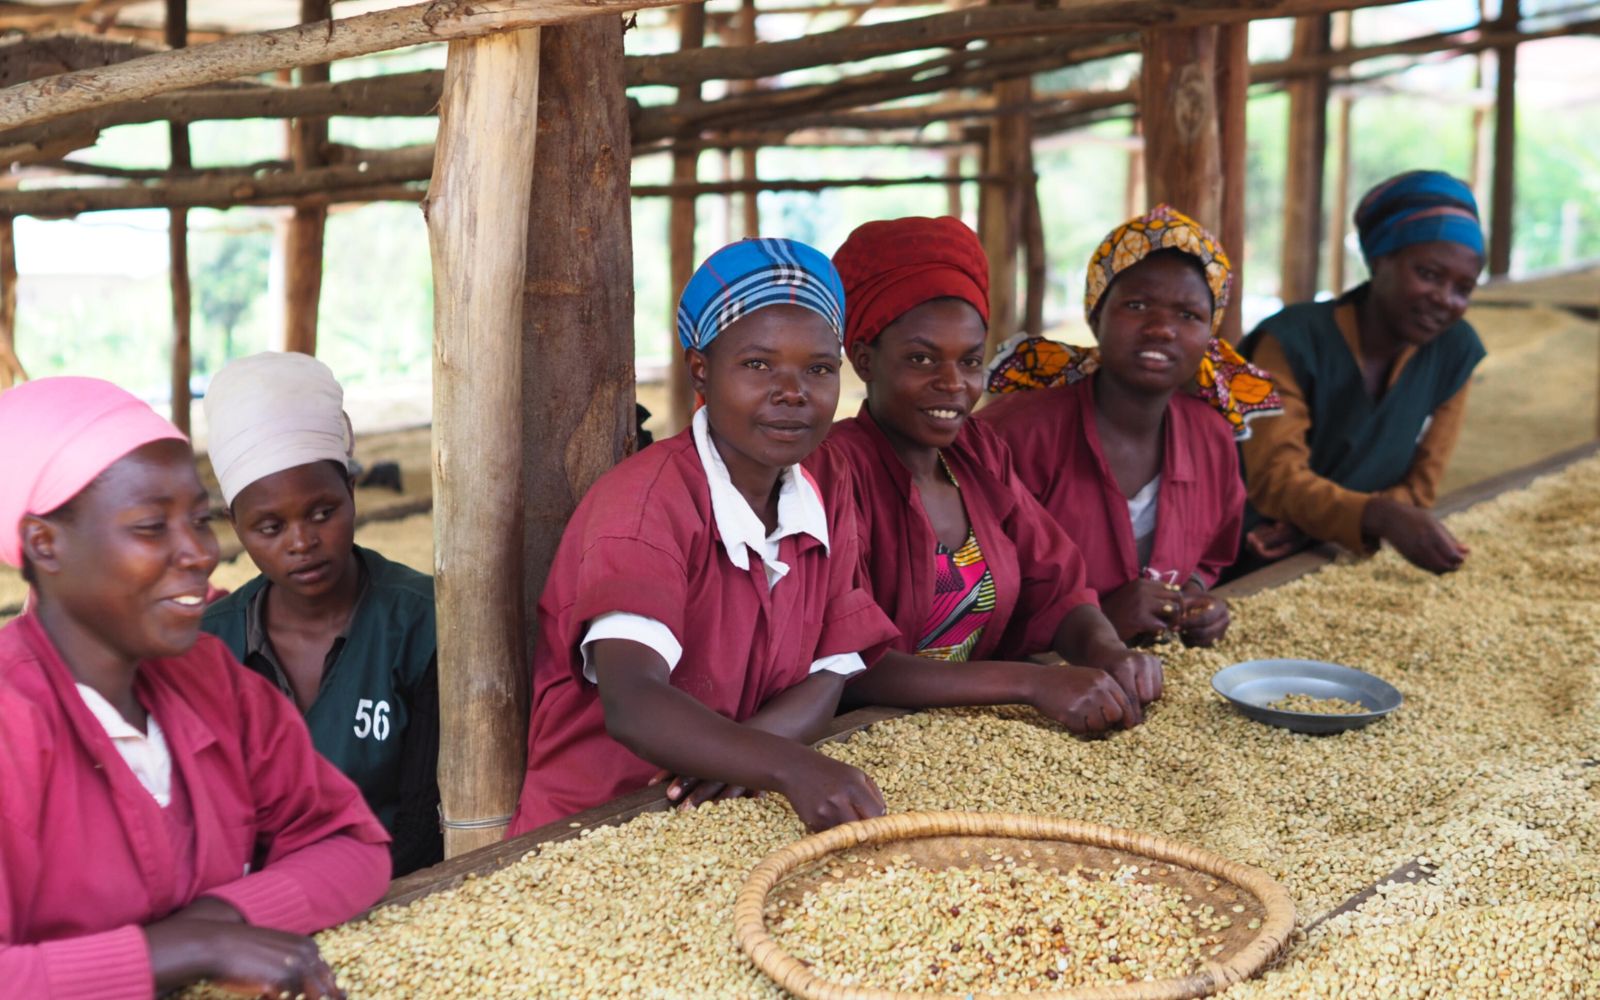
(687, 792)
(1142, 608)
(1415, 533)
(825, 792)
(1138, 673)
(237, 958)
(1084, 699)
(1205, 619)
(1273, 540)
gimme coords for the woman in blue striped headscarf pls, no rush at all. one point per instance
(702, 613)
(1374, 385)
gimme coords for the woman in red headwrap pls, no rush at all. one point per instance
(975, 574)
(163, 815)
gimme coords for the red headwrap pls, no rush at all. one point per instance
(890, 268)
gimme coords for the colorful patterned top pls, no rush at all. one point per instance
(963, 602)
(963, 597)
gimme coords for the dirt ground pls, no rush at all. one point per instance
(1534, 395)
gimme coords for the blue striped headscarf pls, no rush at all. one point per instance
(1422, 206)
(753, 274)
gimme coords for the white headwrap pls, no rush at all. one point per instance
(270, 412)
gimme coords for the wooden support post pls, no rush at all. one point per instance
(1007, 159)
(1308, 143)
(1133, 197)
(10, 368)
(1178, 111)
(1233, 96)
(952, 191)
(1503, 195)
(1339, 206)
(681, 259)
(748, 157)
(1038, 265)
(477, 212)
(1479, 167)
(577, 312)
(302, 276)
(177, 36)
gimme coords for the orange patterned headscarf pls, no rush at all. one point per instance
(1162, 228)
(1238, 390)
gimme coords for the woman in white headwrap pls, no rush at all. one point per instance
(344, 632)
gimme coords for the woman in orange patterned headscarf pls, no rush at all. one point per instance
(1233, 386)
(1140, 472)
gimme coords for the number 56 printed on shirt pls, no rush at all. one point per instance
(372, 719)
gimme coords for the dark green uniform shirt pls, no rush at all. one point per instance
(376, 714)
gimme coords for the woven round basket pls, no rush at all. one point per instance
(963, 839)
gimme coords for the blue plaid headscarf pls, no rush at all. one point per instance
(753, 274)
(1422, 206)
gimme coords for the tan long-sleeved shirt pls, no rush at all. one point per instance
(1277, 455)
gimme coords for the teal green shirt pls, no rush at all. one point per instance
(376, 715)
(1359, 442)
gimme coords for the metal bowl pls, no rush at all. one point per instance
(1253, 685)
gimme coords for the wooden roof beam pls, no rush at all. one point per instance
(416, 94)
(302, 45)
(440, 20)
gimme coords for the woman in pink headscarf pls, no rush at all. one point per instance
(163, 816)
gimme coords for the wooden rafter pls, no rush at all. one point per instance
(417, 93)
(301, 45)
(55, 97)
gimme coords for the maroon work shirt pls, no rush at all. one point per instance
(1055, 443)
(1038, 573)
(644, 541)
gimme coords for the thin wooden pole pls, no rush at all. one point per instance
(749, 167)
(952, 189)
(1340, 204)
(1308, 142)
(1038, 264)
(177, 36)
(577, 313)
(303, 237)
(10, 367)
(1503, 195)
(1178, 96)
(1133, 199)
(680, 233)
(1233, 97)
(377, 180)
(477, 213)
(1007, 161)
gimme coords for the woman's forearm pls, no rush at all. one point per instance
(1086, 637)
(903, 680)
(802, 712)
(673, 731)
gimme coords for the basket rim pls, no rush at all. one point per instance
(793, 976)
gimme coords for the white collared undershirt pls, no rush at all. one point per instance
(145, 753)
(800, 511)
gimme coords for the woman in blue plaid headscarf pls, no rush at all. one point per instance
(749, 275)
(1374, 385)
(709, 574)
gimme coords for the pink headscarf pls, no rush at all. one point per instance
(57, 435)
